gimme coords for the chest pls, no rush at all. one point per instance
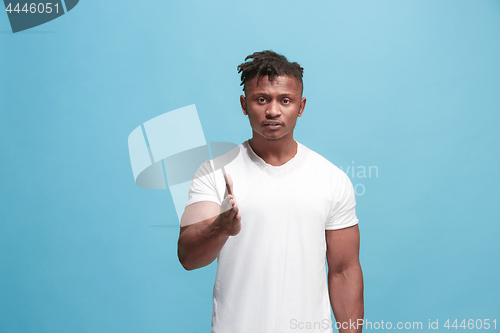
(293, 202)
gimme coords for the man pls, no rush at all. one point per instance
(293, 207)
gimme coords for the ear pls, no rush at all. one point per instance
(302, 106)
(243, 102)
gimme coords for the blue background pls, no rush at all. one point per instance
(411, 87)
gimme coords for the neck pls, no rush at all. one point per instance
(274, 152)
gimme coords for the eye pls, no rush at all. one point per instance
(262, 100)
(286, 101)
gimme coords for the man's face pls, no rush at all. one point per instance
(273, 107)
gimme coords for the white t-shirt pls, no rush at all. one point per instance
(271, 277)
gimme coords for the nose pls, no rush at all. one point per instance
(273, 110)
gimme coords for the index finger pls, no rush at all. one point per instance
(229, 183)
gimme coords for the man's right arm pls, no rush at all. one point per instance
(206, 230)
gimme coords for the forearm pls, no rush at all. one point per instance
(199, 245)
(346, 297)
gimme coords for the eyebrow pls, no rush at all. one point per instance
(267, 95)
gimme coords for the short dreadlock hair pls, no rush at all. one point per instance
(268, 63)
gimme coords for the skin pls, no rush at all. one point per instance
(200, 243)
(279, 101)
(345, 278)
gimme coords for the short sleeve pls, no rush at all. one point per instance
(342, 211)
(203, 186)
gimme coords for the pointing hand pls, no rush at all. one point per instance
(228, 221)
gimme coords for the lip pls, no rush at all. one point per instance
(273, 126)
(272, 123)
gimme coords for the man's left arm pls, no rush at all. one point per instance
(345, 279)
